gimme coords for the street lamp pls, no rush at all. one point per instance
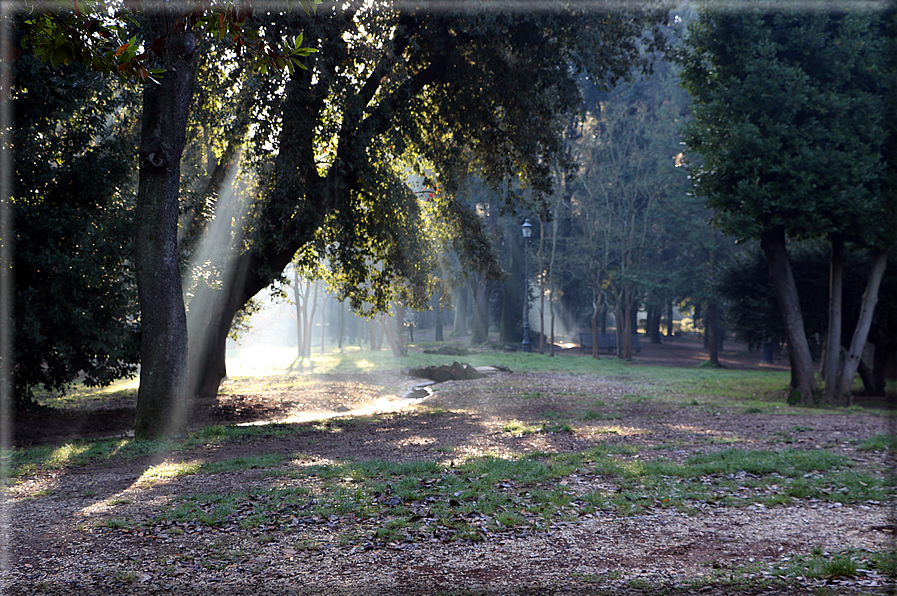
(527, 232)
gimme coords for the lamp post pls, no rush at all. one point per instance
(527, 232)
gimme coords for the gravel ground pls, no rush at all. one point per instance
(61, 542)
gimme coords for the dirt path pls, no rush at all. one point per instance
(63, 543)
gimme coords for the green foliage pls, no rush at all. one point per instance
(111, 42)
(788, 118)
(76, 314)
(437, 97)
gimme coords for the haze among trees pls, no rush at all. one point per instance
(399, 150)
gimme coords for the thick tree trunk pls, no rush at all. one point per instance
(802, 377)
(833, 341)
(462, 311)
(162, 396)
(861, 332)
(652, 324)
(394, 335)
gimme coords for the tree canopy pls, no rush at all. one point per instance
(395, 91)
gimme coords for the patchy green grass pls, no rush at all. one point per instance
(516, 427)
(881, 442)
(424, 500)
(80, 453)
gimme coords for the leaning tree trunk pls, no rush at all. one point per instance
(162, 396)
(861, 332)
(803, 380)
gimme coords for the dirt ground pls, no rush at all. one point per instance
(61, 545)
(116, 417)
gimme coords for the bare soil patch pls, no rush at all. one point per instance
(61, 541)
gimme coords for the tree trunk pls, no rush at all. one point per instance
(551, 284)
(462, 310)
(479, 331)
(713, 333)
(670, 319)
(652, 324)
(394, 335)
(541, 276)
(342, 324)
(833, 340)
(437, 334)
(803, 380)
(162, 396)
(298, 303)
(374, 334)
(596, 309)
(511, 324)
(324, 299)
(861, 332)
(310, 311)
(625, 328)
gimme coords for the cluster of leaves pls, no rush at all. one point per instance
(789, 118)
(75, 297)
(442, 95)
(109, 41)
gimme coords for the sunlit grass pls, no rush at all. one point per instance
(167, 470)
(85, 452)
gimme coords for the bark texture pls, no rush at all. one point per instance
(162, 397)
(802, 377)
(858, 343)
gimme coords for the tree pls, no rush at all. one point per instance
(457, 92)
(626, 145)
(752, 311)
(788, 119)
(76, 316)
(90, 35)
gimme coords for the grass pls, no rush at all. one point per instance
(881, 442)
(718, 386)
(413, 501)
(85, 452)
